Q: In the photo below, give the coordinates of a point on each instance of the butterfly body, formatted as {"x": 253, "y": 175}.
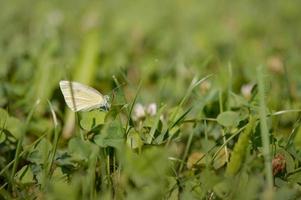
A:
{"x": 80, "y": 97}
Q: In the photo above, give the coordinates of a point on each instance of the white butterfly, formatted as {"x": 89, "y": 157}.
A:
{"x": 80, "y": 97}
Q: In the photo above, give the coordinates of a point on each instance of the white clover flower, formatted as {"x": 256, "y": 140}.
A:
{"x": 151, "y": 109}
{"x": 138, "y": 112}
{"x": 246, "y": 90}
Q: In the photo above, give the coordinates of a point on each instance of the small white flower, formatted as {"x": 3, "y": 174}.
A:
{"x": 151, "y": 109}
{"x": 246, "y": 90}
{"x": 139, "y": 112}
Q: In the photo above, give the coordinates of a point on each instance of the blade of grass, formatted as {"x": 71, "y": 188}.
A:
{"x": 187, "y": 149}
{"x": 205, "y": 130}
{"x": 119, "y": 85}
{"x": 5, "y": 184}
{"x": 180, "y": 118}
{"x": 229, "y": 91}
{"x": 177, "y": 121}
{"x": 90, "y": 181}
{"x": 56, "y": 139}
{"x": 293, "y": 133}
{"x": 108, "y": 168}
{"x": 228, "y": 140}
{"x": 223, "y": 131}
{"x": 264, "y": 131}
{"x": 281, "y": 112}
{"x": 131, "y": 109}
{"x": 199, "y": 120}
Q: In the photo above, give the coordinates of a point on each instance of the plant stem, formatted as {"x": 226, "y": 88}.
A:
{"x": 264, "y": 129}
{"x": 187, "y": 149}
{"x": 56, "y": 139}
{"x": 223, "y": 131}
{"x": 230, "y": 74}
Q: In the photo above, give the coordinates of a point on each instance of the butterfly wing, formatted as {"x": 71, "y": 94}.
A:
{"x": 80, "y": 97}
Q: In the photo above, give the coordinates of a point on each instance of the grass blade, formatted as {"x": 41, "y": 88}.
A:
{"x": 264, "y": 130}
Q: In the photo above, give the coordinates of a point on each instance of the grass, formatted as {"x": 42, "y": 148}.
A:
{"x": 264, "y": 131}
{"x": 192, "y": 115}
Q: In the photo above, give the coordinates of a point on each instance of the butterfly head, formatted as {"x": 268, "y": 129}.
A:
{"x": 106, "y": 105}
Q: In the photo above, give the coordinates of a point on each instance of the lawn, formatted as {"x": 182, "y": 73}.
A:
{"x": 204, "y": 99}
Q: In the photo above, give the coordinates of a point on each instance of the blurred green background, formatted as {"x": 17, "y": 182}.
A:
{"x": 162, "y": 43}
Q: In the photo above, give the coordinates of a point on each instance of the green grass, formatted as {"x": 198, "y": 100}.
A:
{"x": 223, "y": 128}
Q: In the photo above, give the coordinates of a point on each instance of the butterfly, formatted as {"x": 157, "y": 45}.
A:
{"x": 80, "y": 97}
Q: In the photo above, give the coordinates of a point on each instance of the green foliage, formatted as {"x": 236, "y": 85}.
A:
{"x": 25, "y": 175}
{"x": 112, "y": 135}
{"x": 206, "y": 126}
{"x": 10, "y": 126}
{"x": 92, "y": 119}
{"x": 228, "y": 119}
{"x": 240, "y": 149}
